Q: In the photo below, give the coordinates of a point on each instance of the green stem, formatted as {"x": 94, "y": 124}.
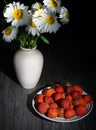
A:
{"x": 5, "y": 2}
{"x": 37, "y": 38}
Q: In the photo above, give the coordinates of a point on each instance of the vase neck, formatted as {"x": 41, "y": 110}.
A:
{"x": 28, "y": 49}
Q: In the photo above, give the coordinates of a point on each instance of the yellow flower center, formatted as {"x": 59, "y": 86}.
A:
{"x": 53, "y": 3}
{"x": 18, "y": 14}
{"x": 39, "y": 16}
{"x": 33, "y": 24}
{"x": 8, "y": 31}
{"x": 50, "y": 20}
{"x": 67, "y": 15}
{"x": 38, "y": 7}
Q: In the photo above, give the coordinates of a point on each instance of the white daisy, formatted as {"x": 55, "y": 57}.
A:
{"x": 48, "y": 23}
{"x": 17, "y": 14}
{"x": 9, "y": 33}
{"x": 52, "y": 5}
{"x": 64, "y": 15}
{"x": 36, "y": 6}
{"x": 32, "y": 29}
{"x": 37, "y": 16}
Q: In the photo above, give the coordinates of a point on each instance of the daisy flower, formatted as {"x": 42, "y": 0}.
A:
{"x": 52, "y": 5}
{"x": 48, "y": 23}
{"x": 32, "y": 29}
{"x": 42, "y": 18}
{"x": 37, "y": 16}
{"x": 36, "y": 6}
{"x": 64, "y": 15}
{"x": 17, "y": 14}
{"x": 9, "y": 33}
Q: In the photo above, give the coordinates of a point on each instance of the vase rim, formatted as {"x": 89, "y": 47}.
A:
{"x": 27, "y": 49}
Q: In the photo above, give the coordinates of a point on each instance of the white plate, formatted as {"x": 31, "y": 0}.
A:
{"x": 57, "y": 119}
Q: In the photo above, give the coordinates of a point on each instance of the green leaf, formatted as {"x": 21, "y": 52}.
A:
{"x": 68, "y": 84}
{"x": 44, "y": 39}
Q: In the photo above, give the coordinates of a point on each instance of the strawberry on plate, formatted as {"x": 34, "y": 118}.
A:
{"x": 81, "y": 110}
{"x": 49, "y": 92}
{"x": 59, "y": 88}
{"x": 88, "y": 98}
{"x": 60, "y": 112}
{"x": 39, "y": 98}
{"x": 79, "y": 101}
{"x": 43, "y": 107}
{"x": 65, "y": 103}
{"x": 58, "y": 96}
{"x": 53, "y": 105}
{"x": 48, "y": 99}
{"x": 52, "y": 112}
{"x": 75, "y": 94}
{"x": 69, "y": 113}
{"x": 78, "y": 88}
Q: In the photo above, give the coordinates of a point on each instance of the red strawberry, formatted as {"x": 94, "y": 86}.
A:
{"x": 48, "y": 99}
{"x": 78, "y": 88}
{"x": 49, "y": 92}
{"x": 60, "y": 112}
{"x": 69, "y": 89}
{"x": 43, "y": 107}
{"x": 75, "y": 94}
{"x": 58, "y": 96}
{"x": 79, "y": 101}
{"x": 39, "y": 98}
{"x": 88, "y": 98}
{"x": 81, "y": 110}
{"x": 69, "y": 97}
{"x": 53, "y": 105}
{"x": 52, "y": 113}
{"x": 59, "y": 88}
{"x": 65, "y": 103}
{"x": 71, "y": 106}
{"x": 69, "y": 113}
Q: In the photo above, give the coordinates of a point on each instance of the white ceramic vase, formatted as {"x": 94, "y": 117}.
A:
{"x": 28, "y": 64}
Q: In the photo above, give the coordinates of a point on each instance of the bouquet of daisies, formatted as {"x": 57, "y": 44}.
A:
{"x": 27, "y": 25}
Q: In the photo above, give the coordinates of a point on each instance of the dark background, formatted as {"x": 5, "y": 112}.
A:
{"x": 72, "y": 42}
{"x": 78, "y": 35}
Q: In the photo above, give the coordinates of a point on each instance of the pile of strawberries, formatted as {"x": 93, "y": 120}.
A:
{"x": 62, "y": 101}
